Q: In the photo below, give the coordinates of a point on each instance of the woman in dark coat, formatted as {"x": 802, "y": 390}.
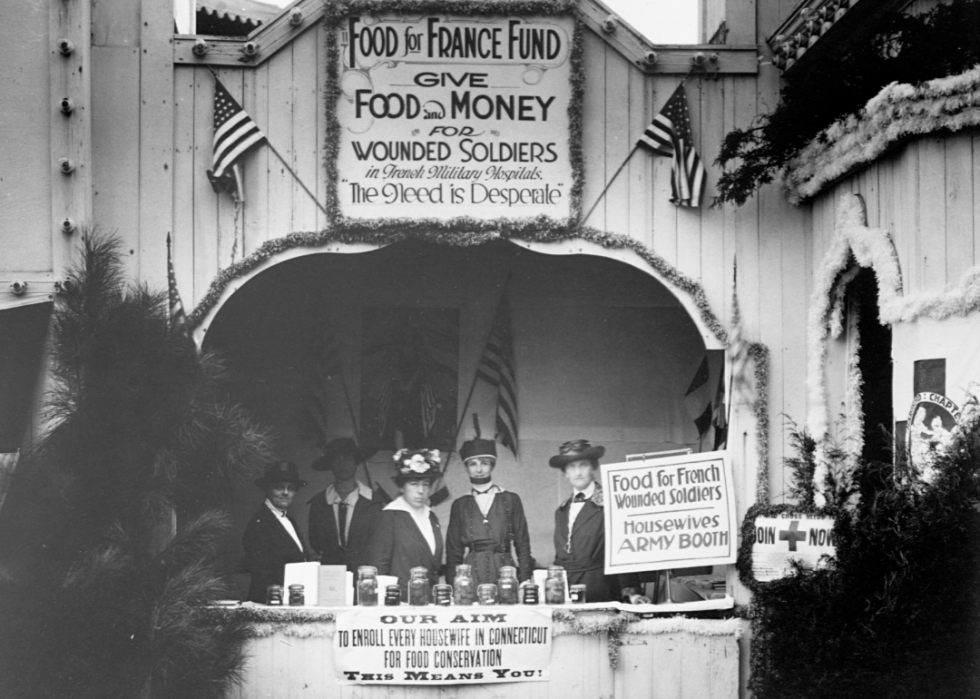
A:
{"x": 487, "y": 521}
{"x": 408, "y": 534}
{"x": 271, "y": 538}
{"x": 580, "y": 548}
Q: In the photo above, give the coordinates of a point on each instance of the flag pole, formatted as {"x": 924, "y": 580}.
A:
{"x": 731, "y": 376}
{"x": 476, "y": 376}
{"x": 296, "y": 177}
{"x": 609, "y": 183}
{"x": 284, "y": 163}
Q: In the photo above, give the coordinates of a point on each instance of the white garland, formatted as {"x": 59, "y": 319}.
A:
{"x": 897, "y": 112}
{"x": 871, "y": 248}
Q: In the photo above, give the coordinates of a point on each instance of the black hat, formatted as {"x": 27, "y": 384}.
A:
{"x": 576, "y": 450}
{"x": 338, "y": 447}
{"x": 278, "y": 472}
{"x": 476, "y": 446}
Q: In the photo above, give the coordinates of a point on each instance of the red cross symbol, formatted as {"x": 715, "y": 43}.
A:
{"x": 792, "y": 535}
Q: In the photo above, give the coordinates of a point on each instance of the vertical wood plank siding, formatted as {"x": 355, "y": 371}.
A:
{"x": 656, "y": 666}
{"x": 284, "y": 96}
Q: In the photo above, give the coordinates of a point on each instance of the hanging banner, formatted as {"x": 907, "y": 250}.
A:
{"x": 929, "y": 431}
{"x": 443, "y": 645}
{"x": 447, "y": 116}
{"x": 675, "y": 512}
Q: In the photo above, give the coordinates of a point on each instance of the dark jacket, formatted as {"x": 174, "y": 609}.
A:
{"x": 399, "y": 546}
{"x": 586, "y": 561}
{"x": 323, "y": 531}
{"x": 268, "y": 548}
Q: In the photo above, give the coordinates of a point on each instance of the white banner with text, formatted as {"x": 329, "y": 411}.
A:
{"x": 448, "y": 116}
{"x": 443, "y": 645}
{"x": 674, "y": 512}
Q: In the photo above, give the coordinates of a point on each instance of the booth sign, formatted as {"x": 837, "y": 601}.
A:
{"x": 443, "y": 645}
{"x": 449, "y": 116}
{"x": 674, "y": 512}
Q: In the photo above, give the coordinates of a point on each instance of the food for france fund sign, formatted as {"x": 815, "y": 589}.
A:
{"x": 447, "y": 116}
{"x": 443, "y": 645}
{"x": 674, "y": 512}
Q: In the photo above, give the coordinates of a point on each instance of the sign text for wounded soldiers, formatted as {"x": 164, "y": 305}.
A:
{"x": 669, "y": 513}
{"x": 442, "y": 645}
{"x": 445, "y": 116}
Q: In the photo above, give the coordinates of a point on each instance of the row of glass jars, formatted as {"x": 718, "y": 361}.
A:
{"x": 463, "y": 591}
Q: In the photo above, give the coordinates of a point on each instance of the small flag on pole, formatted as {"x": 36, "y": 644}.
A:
{"x": 670, "y": 134}
{"x": 497, "y": 369}
{"x": 177, "y": 317}
{"x": 738, "y": 348}
{"x": 234, "y": 135}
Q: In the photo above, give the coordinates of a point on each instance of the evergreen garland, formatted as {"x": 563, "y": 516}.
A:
{"x": 895, "y": 612}
{"x": 902, "y": 48}
{"x": 98, "y": 598}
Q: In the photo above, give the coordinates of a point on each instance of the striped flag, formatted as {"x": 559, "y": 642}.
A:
{"x": 738, "y": 348}
{"x": 177, "y": 317}
{"x": 234, "y": 135}
{"x": 324, "y": 364}
{"x": 670, "y": 134}
{"x": 497, "y": 369}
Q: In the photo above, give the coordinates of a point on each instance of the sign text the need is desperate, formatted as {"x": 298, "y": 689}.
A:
{"x": 445, "y": 116}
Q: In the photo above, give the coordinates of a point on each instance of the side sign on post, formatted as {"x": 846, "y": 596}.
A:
{"x": 676, "y": 512}
{"x": 778, "y": 541}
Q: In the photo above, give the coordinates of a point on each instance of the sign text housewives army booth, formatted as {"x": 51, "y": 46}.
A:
{"x": 448, "y": 116}
{"x": 673, "y": 512}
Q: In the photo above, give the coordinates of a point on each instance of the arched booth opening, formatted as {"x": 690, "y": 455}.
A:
{"x": 386, "y": 344}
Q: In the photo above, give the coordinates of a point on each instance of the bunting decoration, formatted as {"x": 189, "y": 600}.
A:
{"x": 235, "y": 134}
{"x": 670, "y": 134}
{"x": 178, "y": 319}
{"x": 497, "y": 369}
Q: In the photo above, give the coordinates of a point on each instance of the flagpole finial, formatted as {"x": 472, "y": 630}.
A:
{"x": 168, "y": 239}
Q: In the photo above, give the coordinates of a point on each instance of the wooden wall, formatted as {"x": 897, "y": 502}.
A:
{"x": 927, "y": 196}
{"x": 151, "y": 146}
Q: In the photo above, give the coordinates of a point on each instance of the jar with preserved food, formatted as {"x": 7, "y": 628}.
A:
{"x": 464, "y": 589}
{"x": 442, "y": 594}
{"x": 393, "y": 596}
{"x": 273, "y": 595}
{"x": 507, "y": 585}
{"x": 367, "y": 586}
{"x": 554, "y": 586}
{"x": 297, "y": 596}
{"x": 487, "y": 593}
{"x": 529, "y": 593}
{"x": 418, "y": 586}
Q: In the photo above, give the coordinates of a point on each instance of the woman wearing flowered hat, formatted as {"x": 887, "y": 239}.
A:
{"x": 580, "y": 532}
{"x": 408, "y": 533}
{"x": 487, "y": 520}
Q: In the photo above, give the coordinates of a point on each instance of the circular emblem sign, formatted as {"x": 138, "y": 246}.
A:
{"x": 930, "y": 429}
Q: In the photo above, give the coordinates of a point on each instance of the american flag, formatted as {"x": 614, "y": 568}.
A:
{"x": 234, "y": 135}
{"x": 738, "y": 348}
{"x": 670, "y": 134}
{"x": 324, "y": 364}
{"x": 178, "y": 319}
{"x": 497, "y": 369}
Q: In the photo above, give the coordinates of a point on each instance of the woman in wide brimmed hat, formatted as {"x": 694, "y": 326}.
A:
{"x": 580, "y": 532}
{"x": 408, "y": 534}
{"x": 343, "y": 517}
{"x": 484, "y": 523}
{"x": 271, "y": 538}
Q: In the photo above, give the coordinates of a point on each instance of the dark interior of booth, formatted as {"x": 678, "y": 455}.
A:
{"x": 602, "y": 350}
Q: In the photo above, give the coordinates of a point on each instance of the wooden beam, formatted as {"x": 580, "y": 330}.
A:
{"x": 71, "y": 134}
{"x": 671, "y": 59}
